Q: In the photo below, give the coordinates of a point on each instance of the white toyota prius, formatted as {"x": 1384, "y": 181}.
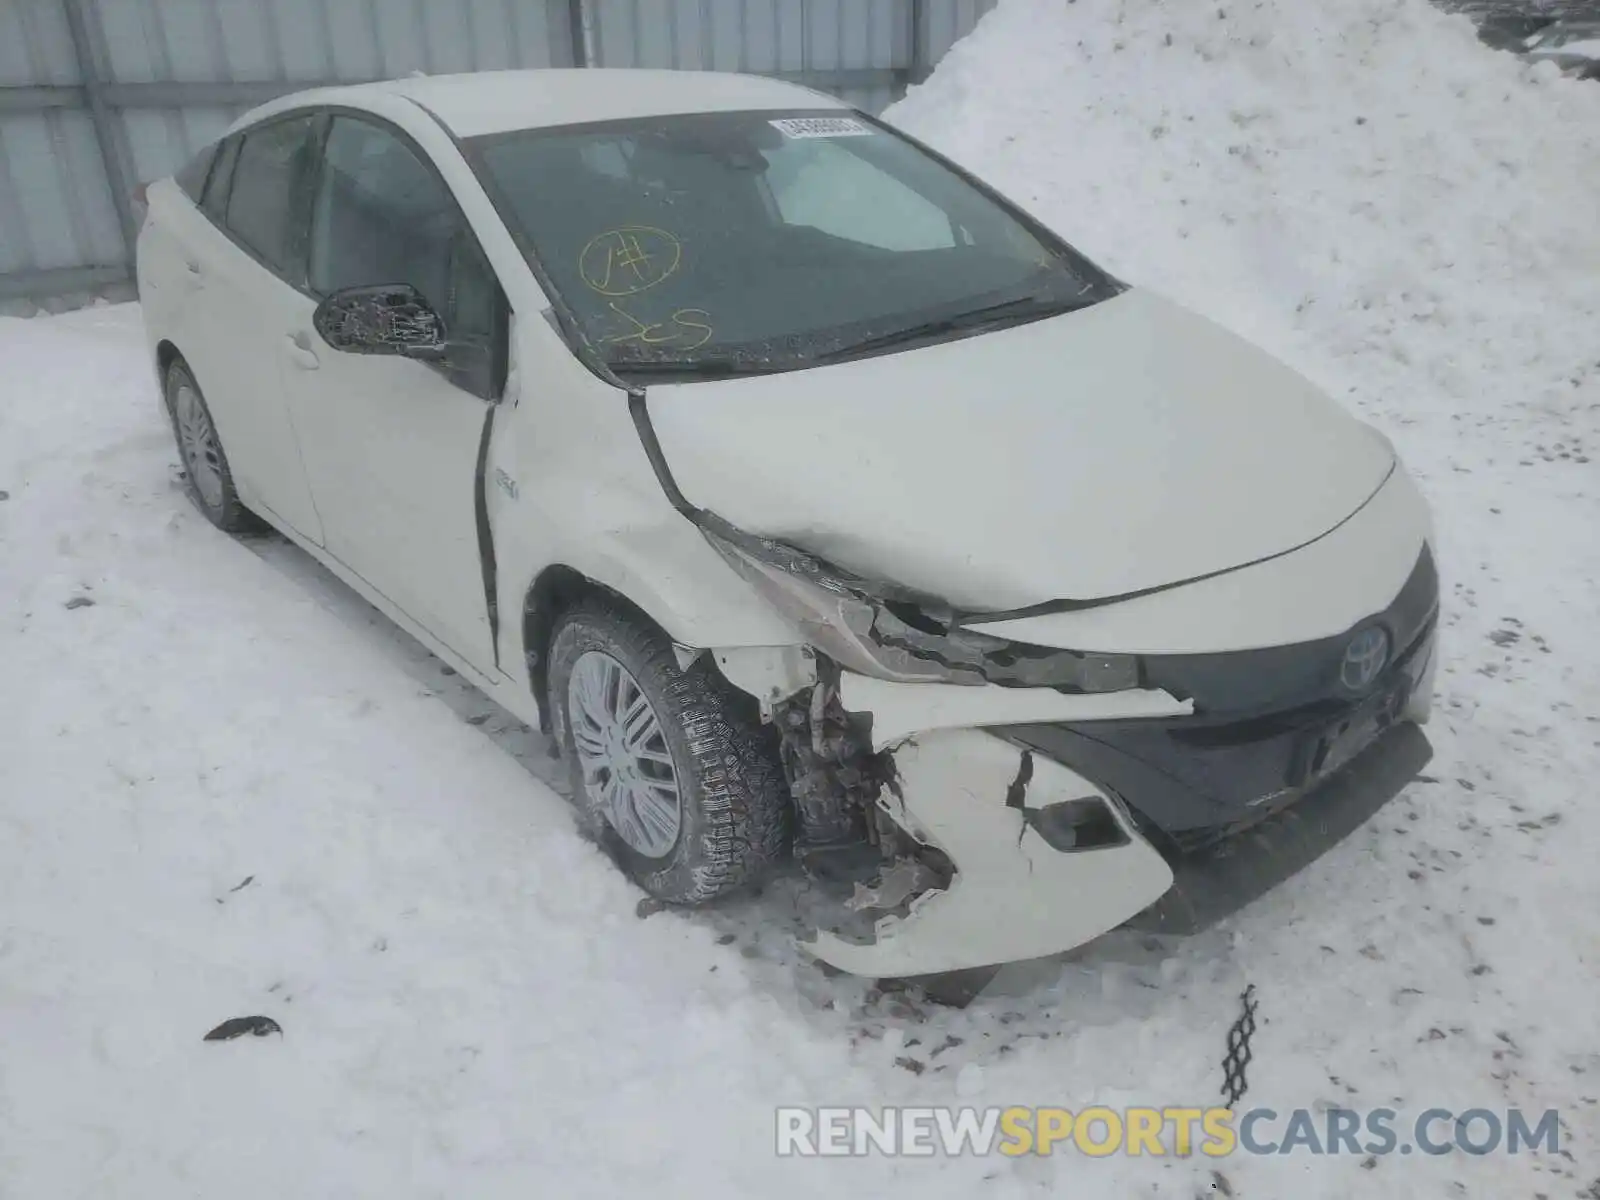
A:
{"x": 824, "y": 506}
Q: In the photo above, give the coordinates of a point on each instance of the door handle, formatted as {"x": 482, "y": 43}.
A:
{"x": 298, "y": 347}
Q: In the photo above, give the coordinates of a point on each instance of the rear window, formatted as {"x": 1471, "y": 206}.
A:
{"x": 192, "y": 176}
{"x": 215, "y": 201}
{"x": 267, "y": 180}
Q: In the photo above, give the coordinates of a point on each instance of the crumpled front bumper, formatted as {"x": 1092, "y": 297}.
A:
{"x": 972, "y": 789}
{"x": 1014, "y": 896}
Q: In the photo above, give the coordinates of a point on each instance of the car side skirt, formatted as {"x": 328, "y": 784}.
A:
{"x": 501, "y": 688}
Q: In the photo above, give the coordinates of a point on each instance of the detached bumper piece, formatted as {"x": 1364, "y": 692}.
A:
{"x": 1000, "y": 812}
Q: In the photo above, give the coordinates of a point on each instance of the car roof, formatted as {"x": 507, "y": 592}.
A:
{"x": 487, "y": 102}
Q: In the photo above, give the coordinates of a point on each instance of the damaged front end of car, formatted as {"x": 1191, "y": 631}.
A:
{"x": 889, "y": 632}
{"x": 965, "y": 800}
{"x": 943, "y": 845}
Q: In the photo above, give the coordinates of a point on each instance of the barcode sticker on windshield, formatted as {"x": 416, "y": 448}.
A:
{"x": 815, "y": 127}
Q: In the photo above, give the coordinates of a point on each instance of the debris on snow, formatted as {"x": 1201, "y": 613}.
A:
{"x": 1238, "y": 1056}
{"x": 239, "y": 887}
{"x": 240, "y": 1026}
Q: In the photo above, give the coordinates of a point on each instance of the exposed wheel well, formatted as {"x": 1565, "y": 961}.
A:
{"x": 166, "y": 355}
{"x": 557, "y": 589}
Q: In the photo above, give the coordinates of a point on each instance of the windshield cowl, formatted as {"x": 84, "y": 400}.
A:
{"x": 771, "y": 359}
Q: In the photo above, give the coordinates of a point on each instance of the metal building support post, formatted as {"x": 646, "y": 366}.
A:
{"x": 104, "y": 131}
{"x": 579, "y": 33}
{"x": 919, "y": 40}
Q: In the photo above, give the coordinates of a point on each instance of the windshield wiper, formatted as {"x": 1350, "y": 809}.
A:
{"x": 1027, "y": 307}
{"x": 696, "y": 368}
{"x": 725, "y": 366}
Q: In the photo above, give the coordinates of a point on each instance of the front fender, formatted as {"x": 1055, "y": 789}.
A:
{"x": 671, "y": 574}
{"x": 685, "y": 586}
{"x": 570, "y": 486}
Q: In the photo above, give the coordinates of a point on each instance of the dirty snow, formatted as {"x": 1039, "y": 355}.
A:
{"x": 471, "y": 1006}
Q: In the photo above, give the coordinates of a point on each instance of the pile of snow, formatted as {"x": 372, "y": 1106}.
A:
{"x": 1360, "y": 183}
{"x": 470, "y": 1005}
{"x": 1413, "y": 220}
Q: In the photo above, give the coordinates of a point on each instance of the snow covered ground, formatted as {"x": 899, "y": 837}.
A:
{"x": 471, "y": 1006}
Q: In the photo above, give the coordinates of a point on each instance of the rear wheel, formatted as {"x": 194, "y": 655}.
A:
{"x": 207, "y": 477}
{"x": 671, "y": 768}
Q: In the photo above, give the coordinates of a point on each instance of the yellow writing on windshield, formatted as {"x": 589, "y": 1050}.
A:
{"x": 686, "y": 329}
{"x": 629, "y": 260}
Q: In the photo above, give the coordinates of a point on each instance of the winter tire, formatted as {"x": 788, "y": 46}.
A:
{"x": 207, "y": 478}
{"x": 671, "y": 768}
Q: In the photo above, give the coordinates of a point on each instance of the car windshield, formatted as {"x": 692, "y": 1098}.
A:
{"x": 746, "y": 242}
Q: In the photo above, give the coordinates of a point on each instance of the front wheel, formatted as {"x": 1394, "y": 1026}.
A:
{"x": 670, "y": 767}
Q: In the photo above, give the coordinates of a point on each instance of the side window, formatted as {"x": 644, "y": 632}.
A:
{"x": 382, "y": 215}
{"x": 191, "y": 177}
{"x": 215, "y": 199}
{"x": 266, "y": 181}
{"x": 817, "y": 183}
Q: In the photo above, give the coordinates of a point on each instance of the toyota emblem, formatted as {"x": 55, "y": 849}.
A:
{"x": 1364, "y": 659}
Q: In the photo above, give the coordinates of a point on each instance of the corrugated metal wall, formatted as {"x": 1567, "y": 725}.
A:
{"x": 861, "y": 50}
{"x": 96, "y": 95}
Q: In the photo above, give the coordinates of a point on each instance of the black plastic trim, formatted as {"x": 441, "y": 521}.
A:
{"x": 486, "y": 554}
{"x": 1242, "y": 682}
{"x": 640, "y": 412}
{"x": 1196, "y": 780}
{"x": 1211, "y": 885}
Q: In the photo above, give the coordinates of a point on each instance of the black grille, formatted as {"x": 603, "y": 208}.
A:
{"x": 1263, "y": 721}
{"x": 1280, "y": 679}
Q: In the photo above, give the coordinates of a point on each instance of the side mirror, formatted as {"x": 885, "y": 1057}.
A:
{"x": 388, "y": 319}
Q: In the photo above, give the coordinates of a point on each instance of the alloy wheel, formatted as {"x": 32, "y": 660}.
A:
{"x": 623, "y": 754}
{"x": 197, "y": 441}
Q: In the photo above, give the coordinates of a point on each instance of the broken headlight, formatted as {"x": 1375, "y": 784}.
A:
{"x": 890, "y": 633}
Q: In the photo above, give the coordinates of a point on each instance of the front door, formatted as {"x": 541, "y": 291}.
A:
{"x": 392, "y": 445}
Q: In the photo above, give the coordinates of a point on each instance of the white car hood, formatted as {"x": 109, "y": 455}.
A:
{"x": 1124, "y": 447}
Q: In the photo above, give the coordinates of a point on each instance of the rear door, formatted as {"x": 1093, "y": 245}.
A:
{"x": 243, "y": 266}
{"x": 165, "y": 258}
{"x": 393, "y": 445}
